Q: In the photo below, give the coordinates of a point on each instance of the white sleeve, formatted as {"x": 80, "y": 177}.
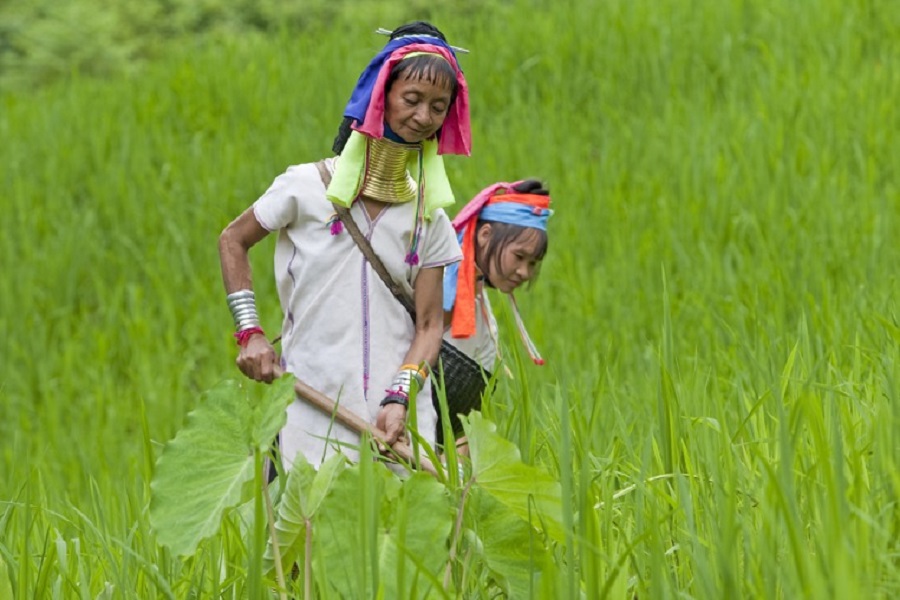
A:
{"x": 441, "y": 247}
{"x": 279, "y": 206}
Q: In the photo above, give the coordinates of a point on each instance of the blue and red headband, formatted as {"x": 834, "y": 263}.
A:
{"x": 499, "y": 203}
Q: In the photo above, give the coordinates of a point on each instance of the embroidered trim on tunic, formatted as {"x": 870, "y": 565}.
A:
{"x": 364, "y": 287}
{"x": 290, "y": 272}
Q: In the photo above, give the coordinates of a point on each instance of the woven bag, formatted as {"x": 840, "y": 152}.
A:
{"x": 464, "y": 384}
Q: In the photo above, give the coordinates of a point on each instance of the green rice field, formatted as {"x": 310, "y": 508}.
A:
{"x": 719, "y": 415}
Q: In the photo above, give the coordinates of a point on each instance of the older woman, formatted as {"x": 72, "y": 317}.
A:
{"x": 343, "y": 331}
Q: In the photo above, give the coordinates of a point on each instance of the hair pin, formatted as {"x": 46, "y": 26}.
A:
{"x": 383, "y": 31}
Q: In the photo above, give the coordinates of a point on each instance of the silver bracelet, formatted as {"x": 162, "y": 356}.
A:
{"x": 403, "y": 380}
{"x": 242, "y": 305}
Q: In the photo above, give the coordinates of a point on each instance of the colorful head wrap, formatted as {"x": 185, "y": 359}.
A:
{"x": 366, "y": 106}
{"x": 366, "y": 103}
{"x": 499, "y": 203}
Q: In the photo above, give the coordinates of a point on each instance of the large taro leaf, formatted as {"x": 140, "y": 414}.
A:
{"x": 513, "y": 550}
{"x": 413, "y": 546}
{"x": 343, "y": 541}
{"x": 399, "y": 529}
{"x": 202, "y": 470}
{"x": 498, "y": 470}
{"x": 303, "y": 494}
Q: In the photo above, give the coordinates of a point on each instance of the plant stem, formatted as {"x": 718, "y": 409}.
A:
{"x": 258, "y": 540}
{"x": 307, "y": 561}
{"x": 457, "y": 527}
{"x": 276, "y": 551}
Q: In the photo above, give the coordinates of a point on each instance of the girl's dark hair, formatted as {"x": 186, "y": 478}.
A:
{"x": 431, "y": 68}
{"x": 503, "y": 234}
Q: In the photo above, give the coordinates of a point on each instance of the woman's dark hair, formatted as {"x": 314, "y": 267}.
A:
{"x": 431, "y": 68}
{"x": 503, "y": 234}
{"x": 418, "y": 28}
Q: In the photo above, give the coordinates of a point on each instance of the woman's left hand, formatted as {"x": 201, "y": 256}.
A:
{"x": 392, "y": 421}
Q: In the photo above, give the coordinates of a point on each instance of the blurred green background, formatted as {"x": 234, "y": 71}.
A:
{"x": 719, "y": 299}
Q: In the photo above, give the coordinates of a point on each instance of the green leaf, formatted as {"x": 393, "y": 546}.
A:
{"x": 370, "y": 521}
{"x": 5, "y": 584}
{"x": 513, "y": 550}
{"x": 269, "y": 415}
{"x": 202, "y": 470}
{"x": 343, "y": 540}
{"x": 303, "y": 494}
{"x": 498, "y": 469}
{"x": 413, "y": 547}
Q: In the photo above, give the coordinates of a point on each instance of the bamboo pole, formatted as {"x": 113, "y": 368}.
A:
{"x": 359, "y": 425}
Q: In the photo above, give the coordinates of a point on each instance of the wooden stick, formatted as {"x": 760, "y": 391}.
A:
{"x": 359, "y": 425}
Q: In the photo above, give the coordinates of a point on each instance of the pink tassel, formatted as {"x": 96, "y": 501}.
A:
{"x": 335, "y": 224}
{"x": 412, "y": 257}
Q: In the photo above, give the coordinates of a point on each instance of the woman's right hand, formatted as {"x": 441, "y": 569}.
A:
{"x": 258, "y": 360}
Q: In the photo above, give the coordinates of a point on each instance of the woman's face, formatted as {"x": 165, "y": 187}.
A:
{"x": 416, "y": 108}
{"x": 517, "y": 262}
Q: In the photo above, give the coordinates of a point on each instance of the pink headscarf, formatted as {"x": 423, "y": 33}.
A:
{"x": 455, "y": 133}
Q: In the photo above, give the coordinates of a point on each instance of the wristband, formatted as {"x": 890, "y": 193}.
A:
{"x": 395, "y": 397}
{"x": 243, "y": 336}
{"x": 404, "y": 378}
{"x": 401, "y": 386}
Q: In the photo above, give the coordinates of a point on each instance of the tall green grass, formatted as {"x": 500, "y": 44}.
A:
{"x": 718, "y": 308}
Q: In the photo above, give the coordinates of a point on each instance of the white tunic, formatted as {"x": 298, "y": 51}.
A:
{"x": 482, "y": 346}
{"x": 344, "y": 333}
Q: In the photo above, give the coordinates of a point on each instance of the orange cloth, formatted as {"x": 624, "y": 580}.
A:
{"x": 463, "y": 323}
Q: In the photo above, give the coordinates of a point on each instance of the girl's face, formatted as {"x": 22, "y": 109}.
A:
{"x": 416, "y": 108}
{"x": 517, "y": 262}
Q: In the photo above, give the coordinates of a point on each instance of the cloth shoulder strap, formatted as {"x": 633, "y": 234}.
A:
{"x": 366, "y": 248}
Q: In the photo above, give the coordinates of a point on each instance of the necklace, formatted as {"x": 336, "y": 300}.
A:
{"x": 385, "y": 177}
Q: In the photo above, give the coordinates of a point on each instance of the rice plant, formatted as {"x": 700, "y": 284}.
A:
{"x": 719, "y": 412}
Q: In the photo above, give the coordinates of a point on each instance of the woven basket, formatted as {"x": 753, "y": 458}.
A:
{"x": 464, "y": 384}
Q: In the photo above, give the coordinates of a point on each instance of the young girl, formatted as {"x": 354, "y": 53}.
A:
{"x": 503, "y": 233}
